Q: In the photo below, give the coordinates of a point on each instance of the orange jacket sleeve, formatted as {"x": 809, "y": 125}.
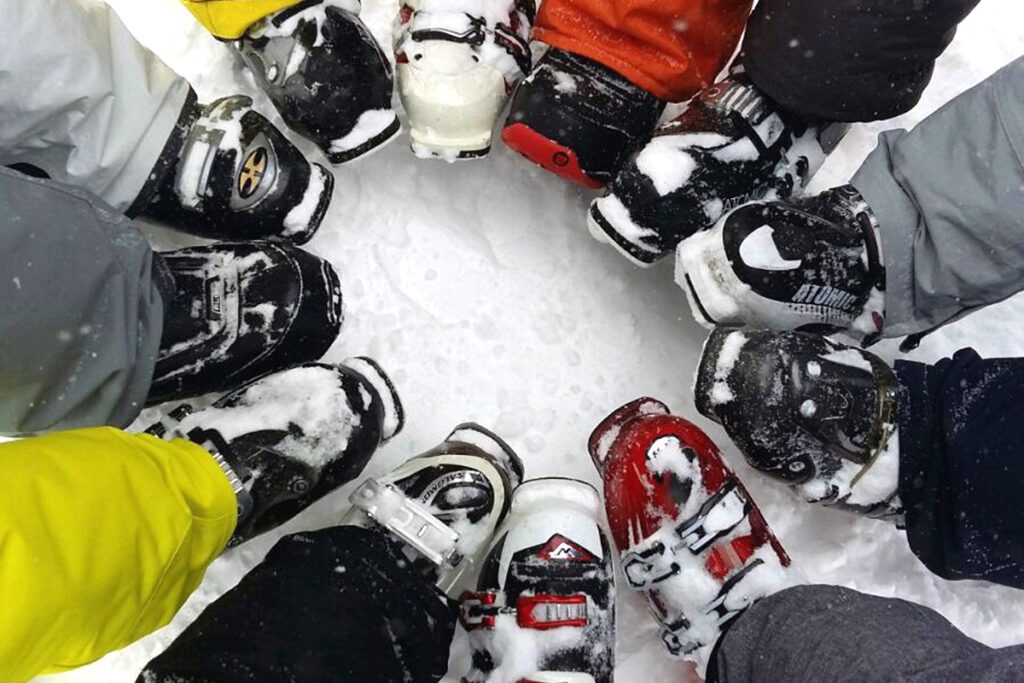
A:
{"x": 672, "y": 48}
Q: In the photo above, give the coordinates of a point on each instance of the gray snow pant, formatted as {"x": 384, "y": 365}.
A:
{"x": 826, "y": 633}
{"x": 949, "y": 202}
{"x": 82, "y": 101}
{"x": 80, "y": 311}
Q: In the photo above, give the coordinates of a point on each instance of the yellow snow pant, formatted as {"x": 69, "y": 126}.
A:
{"x": 103, "y": 535}
{"x": 228, "y": 19}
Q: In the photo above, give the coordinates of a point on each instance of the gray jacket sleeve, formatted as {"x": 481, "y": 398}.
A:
{"x": 80, "y": 314}
{"x": 949, "y": 202}
{"x": 82, "y": 100}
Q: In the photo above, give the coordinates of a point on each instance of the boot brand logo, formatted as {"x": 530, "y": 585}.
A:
{"x": 823, "y": 295}
{"x": 561, "y": 548}
{"x": 758, "y": 250}
{"x": 253, "y": 168}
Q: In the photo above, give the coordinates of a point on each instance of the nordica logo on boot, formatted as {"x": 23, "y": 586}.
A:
{"x": 561, "y": 548}
{"x": 823, "y": 295}
{"x": 252, "y": 173}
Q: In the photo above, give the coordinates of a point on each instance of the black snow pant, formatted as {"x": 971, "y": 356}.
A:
{"x": 339, "y": 604}
{"x": 825, "y": 633}
{"x": 961, "y": 439}
{"x": 848, "y": 60}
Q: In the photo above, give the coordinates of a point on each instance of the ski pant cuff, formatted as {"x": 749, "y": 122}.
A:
{"x": 898, "y": 219}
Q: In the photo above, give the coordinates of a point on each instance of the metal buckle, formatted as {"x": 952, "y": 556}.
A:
{"x": 543, "y": 611}
{"x": 409, "y": 520}
{"x": 693, "y": 532}
{"x": 645, "y": 568}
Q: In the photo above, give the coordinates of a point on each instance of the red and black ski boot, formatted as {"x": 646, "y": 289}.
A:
{"x": 689, "y": 535}
{"x": 444, "y": 505}
{"x": 544, "y": 607}
{"x": 289, "y": 438}
{"x": 229, "y": 173}
{"x": 578, "y": 118}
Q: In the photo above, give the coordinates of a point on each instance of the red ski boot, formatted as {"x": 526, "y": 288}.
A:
{"x": 688, "y": 533}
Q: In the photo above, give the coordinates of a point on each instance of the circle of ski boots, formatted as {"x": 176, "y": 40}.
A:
{"x": 443, "y": 505}
{"x": 233, "y": 175}
{"x": 455, "y": 72}
{"x": 544, "y": 605}
{"x": 241, "y": 310}
{"x": 813, "y": 264}
{"x": 806, "y": 411}
{"x": 289, "y": 438}
{"x": 689, "y": 535}
{"x": 579, "y": 119}
{"x": 326, "y": 75}
{"x": 731, "y": 146}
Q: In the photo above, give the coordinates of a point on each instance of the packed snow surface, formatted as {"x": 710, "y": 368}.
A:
{"x": 478, "y": 289}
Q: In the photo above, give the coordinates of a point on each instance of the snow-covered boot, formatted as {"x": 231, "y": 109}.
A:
{"x": 812, "y": 264}
{"x": 578, "y": 118}
{"x": 456, "y": 68}
{"x": 731, "y": 146}
{"x": 811, "y": 413}
{"x": 326, "y": 74}
{"x": 230, "y": 174}
{"x": 689, "y": 535}
{"x": 444, "y": 505}
{"x": 544, "y": 607}
{"x": 242, "y": 310}
{"x": 288, "y": 439}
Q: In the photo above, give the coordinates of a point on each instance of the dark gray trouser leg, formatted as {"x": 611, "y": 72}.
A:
{"x": 80, "y": 315}
{"x": 826, "y": 633}
{"x": 948, "y": 198}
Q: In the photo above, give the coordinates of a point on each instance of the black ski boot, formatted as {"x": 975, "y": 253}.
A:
{"x": 242, "y": 310}
{"x": 327, "y": 76}
{"x": 544, "y": 607}
{"x": 288, "y": 439}
{"x": 237, "y": 177}
{"x": 578, "y": 118}
{"x": 806, "y": 411}
{"x": 731, "y": 146}
{"x": 443, "y": 505}
{"x": 812, "y": 264}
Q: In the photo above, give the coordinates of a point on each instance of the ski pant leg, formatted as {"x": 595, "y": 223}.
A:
{"x": 229, "y": 19}
{"x": 339, "y": 604}
{"x": 826, "y": 633}
{"x": 848, "y": 60}
{"x": 80, "y": 311}
{"x": 961, "y": 442}
{"x": 672, "y": 48}
{"x": 104, "y": 535}
{"x": 84, "y": 102}
{"x": 948, "y": 200}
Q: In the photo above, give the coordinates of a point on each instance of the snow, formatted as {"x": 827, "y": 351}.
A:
{"x": 478, "y": 289}
{"x": 301, "y": 215}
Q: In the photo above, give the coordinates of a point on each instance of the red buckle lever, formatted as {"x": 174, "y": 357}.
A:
{"x": 478, "y": 610}
{"x": 543, "y": 612}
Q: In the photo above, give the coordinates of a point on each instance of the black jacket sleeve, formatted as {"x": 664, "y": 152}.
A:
{"x": 848, "y": 60}
{"x": 961, "y": 439}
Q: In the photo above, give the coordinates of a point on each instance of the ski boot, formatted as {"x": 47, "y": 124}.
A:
{"x": 689, "y": 535}
{"x": 241, "y": 310}
{"x": 812, "y": 264}
{"x": 731, "y": 146}
{"x": 544, "y": 606}
{"x": 287, "y": 439}
{"x": 456, "y": 70}
{"x": 326, "y": 74}
{"x": 811, "y": 413}
{"x": 236, "y": 177}
{"x": 578, "y": 118}
{"x": 445, "y": 504}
